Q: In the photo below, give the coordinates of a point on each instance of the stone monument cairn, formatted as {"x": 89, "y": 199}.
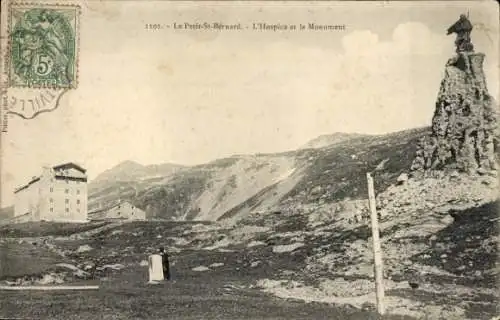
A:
{"x": 464, "y": 127}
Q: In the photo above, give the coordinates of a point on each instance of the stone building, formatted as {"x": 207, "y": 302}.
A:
{"x": 58, "y": 194}
{"x": 122, "y": 210}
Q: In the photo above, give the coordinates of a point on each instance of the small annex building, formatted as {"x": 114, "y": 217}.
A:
{"x": 122, "y": 210}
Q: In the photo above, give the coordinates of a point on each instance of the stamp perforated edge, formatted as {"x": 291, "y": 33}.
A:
{"x": 9, "y": 43}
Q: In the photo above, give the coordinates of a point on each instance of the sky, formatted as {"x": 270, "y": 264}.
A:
{"x": 189, "y": 97}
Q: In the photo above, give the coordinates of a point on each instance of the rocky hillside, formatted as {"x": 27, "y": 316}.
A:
{"x": 330, "y": 139}
{"x": 439, "y": 240}
{"x": 241, "y": 185}
{"x": 125, "y": 180}
{"x": 131, "y": 171}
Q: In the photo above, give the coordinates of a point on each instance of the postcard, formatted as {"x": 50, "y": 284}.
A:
{"x": 249, "y": 159}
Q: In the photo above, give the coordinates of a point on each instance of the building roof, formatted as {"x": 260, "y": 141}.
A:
{"x": 61, "y": 166}
{"x": 69, "y": 165}
{"x": 24, "y": 186}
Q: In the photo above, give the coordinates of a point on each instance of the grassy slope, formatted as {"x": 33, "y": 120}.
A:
{"x": 19, "y": 259}
{"x": 194, "y": 295}
{"x": 42, "y": 229}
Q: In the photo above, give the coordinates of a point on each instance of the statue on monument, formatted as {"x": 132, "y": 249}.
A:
{"x": 463, "y": 28}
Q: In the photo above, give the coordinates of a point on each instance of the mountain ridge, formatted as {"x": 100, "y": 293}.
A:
{"x": 236, "y": 186}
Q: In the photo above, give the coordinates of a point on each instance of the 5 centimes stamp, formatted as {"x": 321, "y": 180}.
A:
{"x": 41, "y": 42}
{"x": 43, "y": 46}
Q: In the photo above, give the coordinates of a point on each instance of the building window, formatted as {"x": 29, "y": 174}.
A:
{"x": 78, "y": 201}
{"x": 67, "y": 190}
{"x": 67, "y": 181}
{"x": 67, "y": 200}
{"x": 77, "y": 191}
{"x": 67, "y": 209}
{"x": 51, "y": 189}
{"x": 51, "y": 209}
{"x": 78, "y": 210}
{"x": 51, "y": 200}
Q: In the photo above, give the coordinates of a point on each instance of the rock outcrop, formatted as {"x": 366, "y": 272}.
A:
{"x": 464, "y": 127}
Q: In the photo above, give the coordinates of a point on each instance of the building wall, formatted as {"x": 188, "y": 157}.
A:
{"x": 136, "y": 213}
{"x": 26, "y": 201}
{"x": 63, "y": 200}
{"x": 126, "y": 210}
{"x": 21, "y": 202}
{"x": 123, "y": 210}
{"x": 57, "y": 196}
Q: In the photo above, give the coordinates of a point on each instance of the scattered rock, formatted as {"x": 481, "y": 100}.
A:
{"x": 255, "y": 243}
{"x": 454, "y": 174}
{"x": 287, "y": 247}
{"x": 87, "y": 265}
{"x": 200, "y": 268}
{"x": 413, "y": 284}
{"x": 217, "y": 264}
{"x": 116, "y": 266}
{"x": 76, "y": 271}
{"x": 486, "y": 182}
{"x": 255, "y": 264}
{"x": 51, "y": 279}
{"x": 447, "y": 219}
{"x": 402, "y": 179}
{"x": 84, "y": 248}
{"x": 482, "y": 171}
{"x": 368, "y": 306}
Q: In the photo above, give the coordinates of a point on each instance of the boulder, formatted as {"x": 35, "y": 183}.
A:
{"x": 84, "y": 248}
{"x": 200, "y": 268}
{"x": 402, "y": 179}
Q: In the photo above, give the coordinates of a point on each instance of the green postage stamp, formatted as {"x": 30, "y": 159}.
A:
{"x": 43, "y": 46}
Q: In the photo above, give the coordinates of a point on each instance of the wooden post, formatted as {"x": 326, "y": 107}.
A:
{"x": 377, "y": 251}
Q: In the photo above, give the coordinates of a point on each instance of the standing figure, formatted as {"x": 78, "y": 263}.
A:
{"x": 165, "y": 263}
{"x": 463, "y": 28}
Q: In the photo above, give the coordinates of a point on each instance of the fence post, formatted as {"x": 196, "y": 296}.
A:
{"x": 377, "y": 251}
